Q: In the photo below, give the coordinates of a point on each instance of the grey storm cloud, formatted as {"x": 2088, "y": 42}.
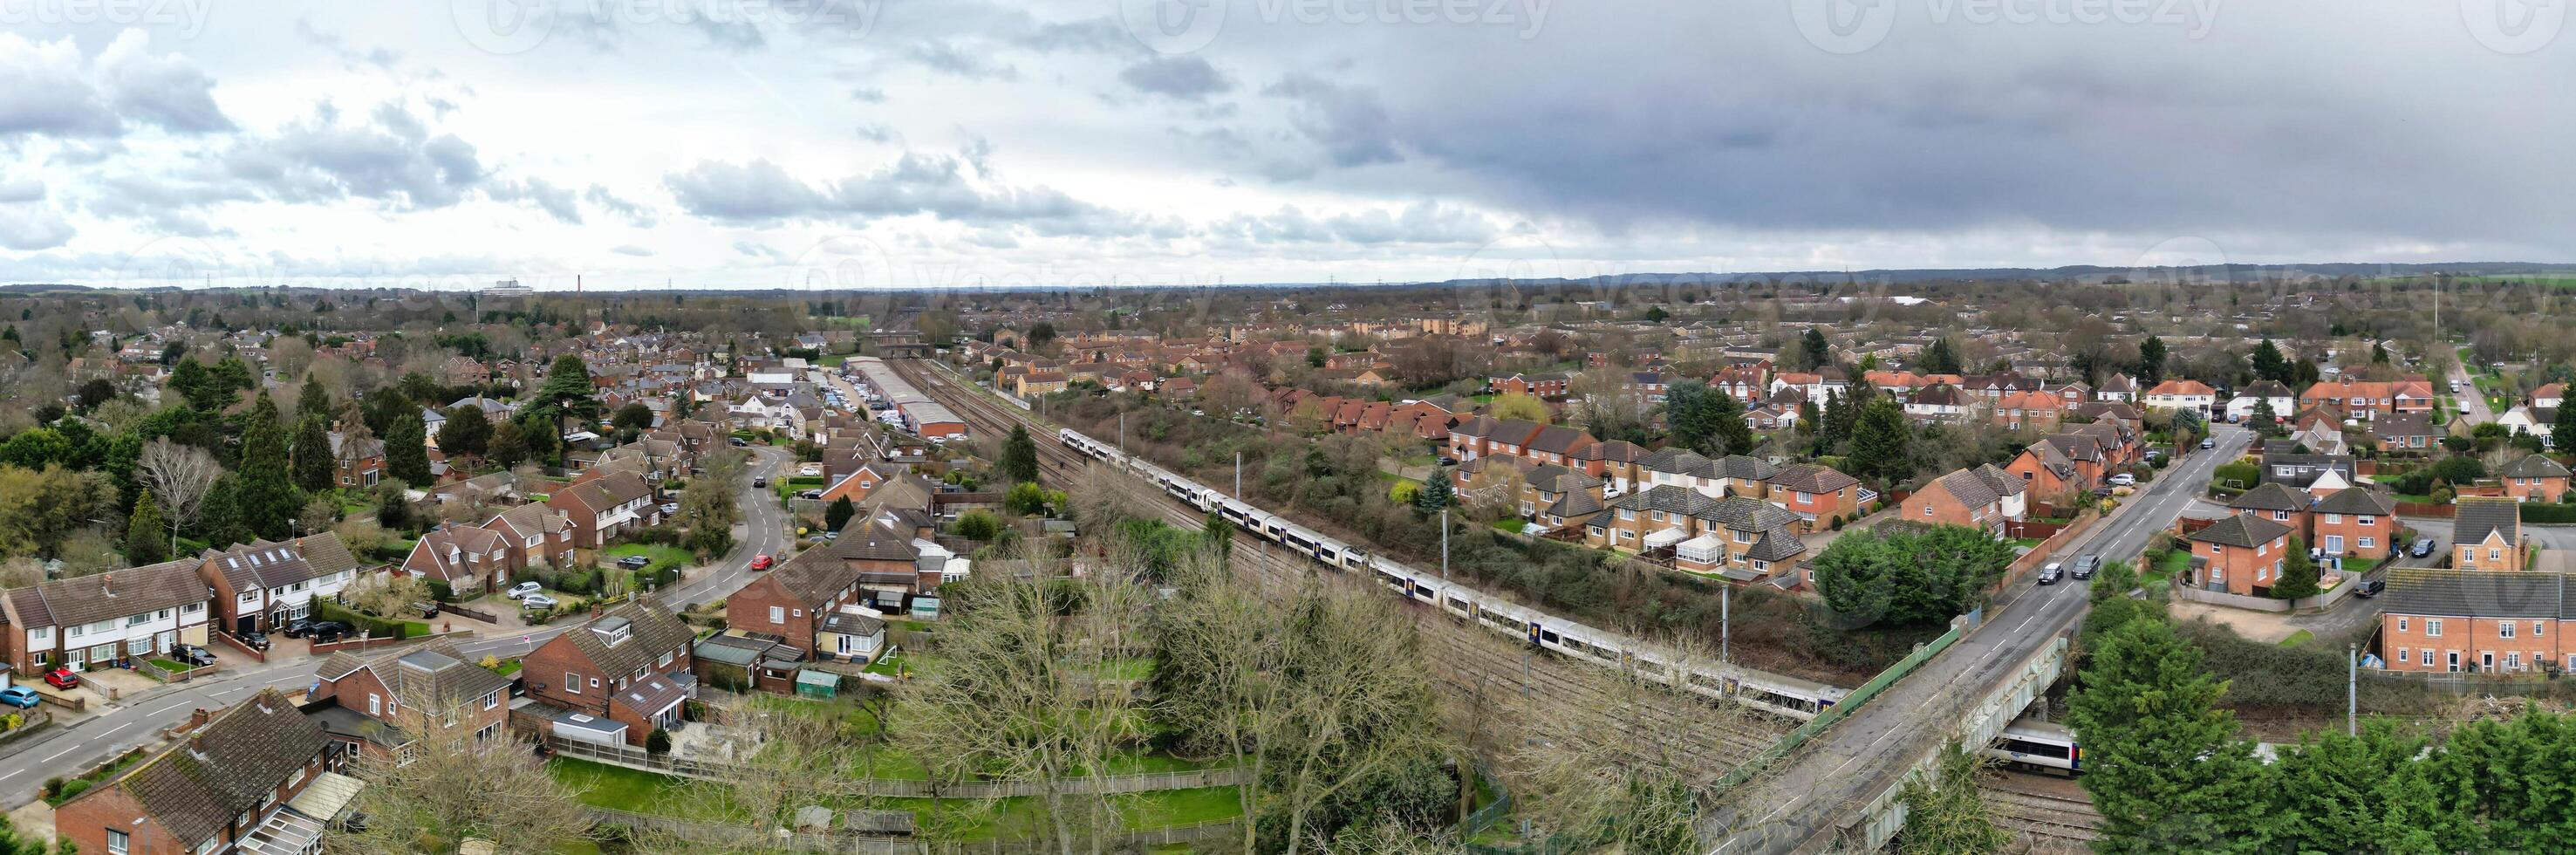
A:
{"x": 556, "y": 201}
{"x": 396, "y": 160}
{"x": 634, "y": 214}
{"x": 1187, "y": 78}
{"x": 27, "y": 227}
{"x": 763, "y": 191}
{"x": 1349, "y": 122}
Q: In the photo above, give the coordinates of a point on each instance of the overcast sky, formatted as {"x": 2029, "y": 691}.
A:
{"x": 857, "y": 143}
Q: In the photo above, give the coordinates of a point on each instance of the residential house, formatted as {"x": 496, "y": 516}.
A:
{"x": 259, "y": 777}
{"x": 2535, "y": 478}
{"x": 2486, "y": 534}
{"x": 2476, "y": 620}
{"x": 1942, "y": 403}
{"x": 600, "y": 511}
{"x": 2242, "y": 554}
{"x": 2319, "y": 474}
{"x": 467, "y": 560}
{"x": 1555, "y": 496}
{"x": 2279, "y": 503}
{"x": 357, "y": 462}
{"x": 93, "y": 621}
{"x": 2357, "y": 523}
{"x": 432, "y": 687}
{"x": 2258, "y": 394}
{"x": 1740, "y": 537}
{"x": 2183, "y": 395}
{"x": 869, "y": 562}
{"x": 1974, "y": 498}
{"x": 627, "y": 669}
{"x": 533, "y": 535}
{"x": 2406, "y": 432}
{"x": 262, "y": 586}
{"x": 1818, "y": 495}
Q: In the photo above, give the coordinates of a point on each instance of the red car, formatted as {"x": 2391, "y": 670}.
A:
{"x": 760, "y": 562}
{"x": 61, "y": 678}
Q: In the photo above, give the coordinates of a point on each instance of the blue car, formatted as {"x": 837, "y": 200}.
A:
{"x": 20, "y": 697}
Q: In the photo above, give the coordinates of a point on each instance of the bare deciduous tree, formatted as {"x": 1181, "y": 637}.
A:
{"x": 448, "y": 786}
{"x": 1590, "y": 766}
{"x": 180, "y": 476}
{"x": 385, "y": 594}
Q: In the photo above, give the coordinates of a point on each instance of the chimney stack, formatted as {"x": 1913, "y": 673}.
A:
{"x": 107, "y": 583}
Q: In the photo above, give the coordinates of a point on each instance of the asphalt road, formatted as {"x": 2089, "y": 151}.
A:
{"x": 77, "y": 745}
{"x": 1827, "y": 781}
{"x": 2479, "y": 412}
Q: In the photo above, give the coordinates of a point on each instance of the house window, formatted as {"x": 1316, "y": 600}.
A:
{"x": 2505, "y": 630}
{"x": 375, "y": 705}
{"x": 2366, "y": 542}
{"x": 2405, "y": 656}
{"x": 2433, "y": 628}
{"x": 2334, "y": 519}
{"x": 777, "y": 614}
{"x": 2366, "y": 520}
{"x": 492, "y": 700}
{"x": 117, "y": 842}
{"x": 2495, "y": 555}
{"x": 2539, "y": 630}
{"x": 572, "y": 682}
{"x": 2401, "y": 624}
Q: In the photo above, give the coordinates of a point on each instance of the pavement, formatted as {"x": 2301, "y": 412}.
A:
{"x": 1831, "y": 777}
{"x": 108, "y": 729}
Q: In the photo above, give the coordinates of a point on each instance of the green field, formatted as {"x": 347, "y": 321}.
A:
{"x": 661, "y": 556}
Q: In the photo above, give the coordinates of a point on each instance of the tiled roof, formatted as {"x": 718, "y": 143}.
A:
{"x": 1968, "y": 488}
{"x": 2477, "y": 593}
{"x": 1744, "y": 468}
{"x": 2271, "y": 496}
{"x": 2358, "y": 500}
{"x": 2533, "y": 466}
{"x": 114, "y": 594}
{"x": 650, "y": 632}
{"x": 2245, "y": 530}
{"x": 1813, "y": 478}
{"x": 230, "y": 767}
{"x": 2476, "y": 516}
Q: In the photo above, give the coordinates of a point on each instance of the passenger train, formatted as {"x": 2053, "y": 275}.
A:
{"x": 1787, "y": 696}
{"x": 2040, "y": 745}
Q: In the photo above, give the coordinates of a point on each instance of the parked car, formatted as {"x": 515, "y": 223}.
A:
{"x": 2370, "y": 588}
{"x": 2124, "y": 480}
{"x": 21, "y": 697}
{"x": 2209, "y": 443}
{"x": 62, "y": 678}
{"x": 760, "y": 562}
{"x": 634, "y": 562}
{"x": 537, "y": 601}
{"x": 522, "y": 589}
{"x": 2423, "y": 547}
{"x": 2086, "y": 564}
{"x": 2050, "y": 574}
{"x": 738, "y": 442}
{"x": 297, "y": 628}
{"x": 810, "y": 494}
{"x": 426, "y": 608}
{"x": 325, "y": 632}
{"x": 254, "y": 639}
{"x": 194, "y": 655}
{"x": 669, "y": 508}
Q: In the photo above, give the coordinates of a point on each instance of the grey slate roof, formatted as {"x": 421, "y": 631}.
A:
{"x": 2271, "y": 496}
{"x": 229, "y": 767}
{"x": 651, "y": 632}
{"x": 2244, "y": 530}
{"x": 2359, "y": 500}
{"x": 2478, "y": 593}
{"x": 2479, "y": 515}
{"x": 2533, "y": 466}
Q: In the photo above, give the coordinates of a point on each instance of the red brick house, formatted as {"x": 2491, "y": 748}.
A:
{"x": 1817, "y": 494}
{"x": 2535, "y": 478}
{"x": 2278, "y": 502}
{"x": 532, "y": 535}
{"x": 240, "y": 774}
{"x": 629, "y": 665}
{"x": 2354, "y": 523}
{"x": 601, "y": 510}
{"x": 869, "y": 562}
{"x": 357, "y": 463}
{"x": 2486, "y": 534}
{"x": 411, "y": 691}
{"x": 1971, "y": 498}
{"x": 2466, "y": 620}
{"x": 2242, "y": 554}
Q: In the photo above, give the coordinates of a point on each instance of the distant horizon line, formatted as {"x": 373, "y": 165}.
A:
{"x": 1879, "y": 275}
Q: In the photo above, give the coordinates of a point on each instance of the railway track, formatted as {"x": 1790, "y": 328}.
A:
{"x": 1468, "y": 660}
{"x": 2046, "y": 821}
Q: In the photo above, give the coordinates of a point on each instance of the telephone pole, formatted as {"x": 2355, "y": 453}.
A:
{"x": 2352, "y": 690}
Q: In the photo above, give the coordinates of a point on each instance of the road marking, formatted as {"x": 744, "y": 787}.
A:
{"x": 59, "y": 754}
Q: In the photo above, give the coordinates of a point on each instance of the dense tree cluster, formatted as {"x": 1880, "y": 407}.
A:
{"x": 1909, "y": 576}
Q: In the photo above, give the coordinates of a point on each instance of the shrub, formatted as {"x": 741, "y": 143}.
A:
{"x": 2239, "y": 475}
{"x": 2543, "y": 512}
{"x": 2443, "y": 495}
{"x": 441, "y": 591}
{"x": 70, "y": 790}
{"x": 658, "y": 742}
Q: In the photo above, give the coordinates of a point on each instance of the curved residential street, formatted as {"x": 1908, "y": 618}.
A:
{"x": 90, "y": 738}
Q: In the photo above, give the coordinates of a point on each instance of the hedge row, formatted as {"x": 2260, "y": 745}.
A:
{"x": 374, "y": 627}
{"x": 2545, "y": 512}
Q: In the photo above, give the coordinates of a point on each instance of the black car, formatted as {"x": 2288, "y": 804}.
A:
{"x": 2085, "y": 564}
{"x": 2423, "y": 547}
{"x": 759, "y": 483}
{"x": 2370, "y": 588}
{"x": 297, "y": 628}
{"x": 194, "y": 655}
{"x": 253, "y": 639}
{"x": 2048, "y": 575}
{"x": 325, "y": 632}
{"x": 634, "y": 562}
